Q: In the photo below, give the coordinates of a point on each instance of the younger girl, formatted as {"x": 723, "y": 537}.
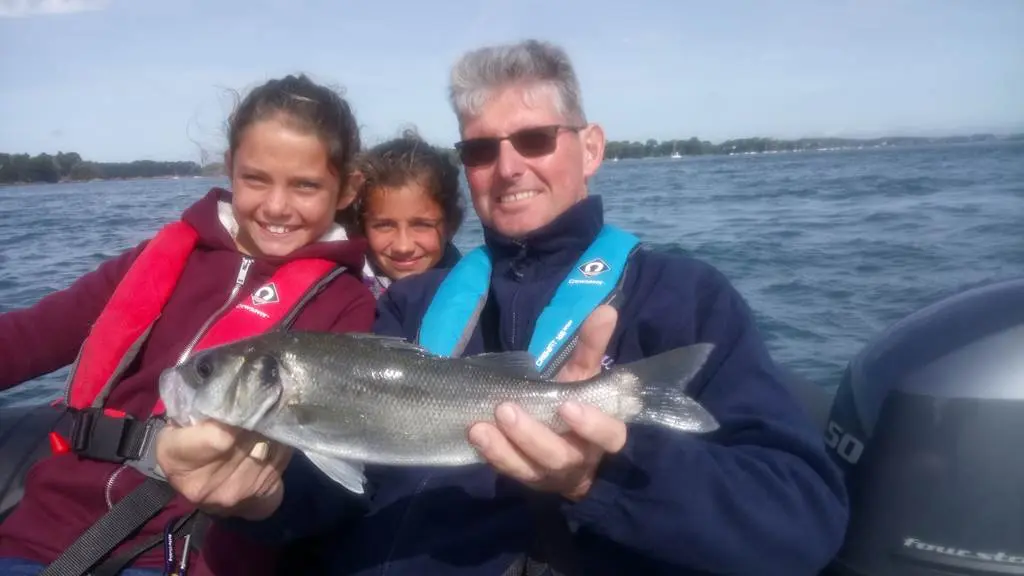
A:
{"x": 238, "y": 263}
{"x": 409, "y": 207}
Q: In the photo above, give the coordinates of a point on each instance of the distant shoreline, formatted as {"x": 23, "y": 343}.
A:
{"x": 694, "y": 147}
{"x": 22, "y": 169}
{"x": 69, "y": 181}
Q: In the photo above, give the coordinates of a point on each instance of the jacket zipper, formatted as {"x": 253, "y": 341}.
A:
{"x": 515, "y": 319}
{"x": 243, "y": 273}
{"x": 518, "y": 273}
{"x": 108, "y": 491}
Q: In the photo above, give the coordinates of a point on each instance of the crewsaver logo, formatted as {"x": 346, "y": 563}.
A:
{"x": 267, "y": 294}
{"x": 594, "y": 267}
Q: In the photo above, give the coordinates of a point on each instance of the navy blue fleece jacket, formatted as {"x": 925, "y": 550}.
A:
{"x": 759, "y": 496}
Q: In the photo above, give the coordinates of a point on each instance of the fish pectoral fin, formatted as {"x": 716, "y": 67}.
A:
{"x": 518, "y": 363}
{"x": 349, "y": 474}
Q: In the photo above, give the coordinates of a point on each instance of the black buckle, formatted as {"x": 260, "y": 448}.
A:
{"x": 98, "y": 436}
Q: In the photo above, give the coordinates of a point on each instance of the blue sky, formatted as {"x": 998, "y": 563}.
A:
{"x": 118, "y": 80}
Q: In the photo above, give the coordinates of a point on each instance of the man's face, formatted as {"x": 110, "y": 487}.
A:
{"x": 522, "y": 184}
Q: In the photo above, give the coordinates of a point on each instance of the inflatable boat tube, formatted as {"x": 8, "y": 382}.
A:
{"x": 24, "y": 439}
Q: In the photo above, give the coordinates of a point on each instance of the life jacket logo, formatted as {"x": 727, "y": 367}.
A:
{"x": 594, "y": 267}
{"x": 266, "y": 294}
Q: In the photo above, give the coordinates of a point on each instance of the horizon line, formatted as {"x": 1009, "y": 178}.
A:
{"x": 1008, "y": 132}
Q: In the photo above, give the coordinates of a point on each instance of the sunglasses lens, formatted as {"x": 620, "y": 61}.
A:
{"x": 531, "y": 143}
{"x": 535, "y": 141}
{"x": 479, "y": 151}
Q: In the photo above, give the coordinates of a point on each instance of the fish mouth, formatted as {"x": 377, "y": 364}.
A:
{"x": 178, "y": 397}
{"x": 184, "y": 405}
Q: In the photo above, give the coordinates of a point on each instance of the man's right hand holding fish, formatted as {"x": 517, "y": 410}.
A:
{"x": 523, "y": 448}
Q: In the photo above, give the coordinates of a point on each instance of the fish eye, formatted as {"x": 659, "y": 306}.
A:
{"x": 204, "y": 367}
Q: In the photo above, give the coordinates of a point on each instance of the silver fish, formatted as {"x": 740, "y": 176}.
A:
{"x": 346, "y": 400}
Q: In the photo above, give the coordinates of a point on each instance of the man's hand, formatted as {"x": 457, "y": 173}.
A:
{"x": 222, "y": 469}
{"x": 529, "y": 451}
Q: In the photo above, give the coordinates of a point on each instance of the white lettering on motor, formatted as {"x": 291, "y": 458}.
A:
{"x": 915, "y": 544}
{"x": 847, "y": 446}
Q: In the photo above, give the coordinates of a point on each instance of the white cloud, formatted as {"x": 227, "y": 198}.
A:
{"x": 25, "y": 8}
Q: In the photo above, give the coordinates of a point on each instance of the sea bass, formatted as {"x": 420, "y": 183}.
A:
{"x": 349, "y": 399}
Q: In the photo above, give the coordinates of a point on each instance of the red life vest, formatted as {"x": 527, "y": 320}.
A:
{"x": 137, "y": 302}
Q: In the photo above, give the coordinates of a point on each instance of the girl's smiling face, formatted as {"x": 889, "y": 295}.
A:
{"x": 405, "y": 229}
{"x": 284, "y": 192}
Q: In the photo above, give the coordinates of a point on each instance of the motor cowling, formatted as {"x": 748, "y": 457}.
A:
{"x": 928, "y": 426}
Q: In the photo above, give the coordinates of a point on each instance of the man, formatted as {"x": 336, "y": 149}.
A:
{"x": 758, "y": 496}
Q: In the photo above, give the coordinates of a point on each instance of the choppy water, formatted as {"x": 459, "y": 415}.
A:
{"x": 829, "y": 248}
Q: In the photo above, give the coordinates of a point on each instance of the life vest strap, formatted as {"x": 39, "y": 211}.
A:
{"x": 453, "y": 313}
{"x": 127, "y": 516}
{"x": 194, "y": 525}
{"x": 98, "y": 435}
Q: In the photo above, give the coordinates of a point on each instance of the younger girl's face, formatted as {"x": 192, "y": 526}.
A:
{"x": 405, "y": 230}
{"x": 285, "y": 194}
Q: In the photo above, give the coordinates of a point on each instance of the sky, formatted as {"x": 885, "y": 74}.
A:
{"x": 120, "y": 80}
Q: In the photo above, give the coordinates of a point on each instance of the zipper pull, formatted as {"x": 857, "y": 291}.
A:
{"x": 243, "y": 271}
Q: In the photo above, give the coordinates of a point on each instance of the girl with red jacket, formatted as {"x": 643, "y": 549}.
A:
{"x": 237, "y": 263}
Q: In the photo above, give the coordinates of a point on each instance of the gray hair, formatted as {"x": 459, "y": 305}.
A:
{"x": 540, "y": 66}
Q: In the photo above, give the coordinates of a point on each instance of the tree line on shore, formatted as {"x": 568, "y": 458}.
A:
{"x": 70, "y": 167}
{"x": 695, "y": 147}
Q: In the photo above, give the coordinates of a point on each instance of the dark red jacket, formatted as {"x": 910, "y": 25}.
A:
{"x": 65, "y": 495}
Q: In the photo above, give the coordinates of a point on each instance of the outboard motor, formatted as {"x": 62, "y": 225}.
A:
{"x": 928, "y": 424}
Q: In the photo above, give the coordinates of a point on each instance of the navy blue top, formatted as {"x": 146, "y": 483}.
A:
{"x": 758, "y": 496}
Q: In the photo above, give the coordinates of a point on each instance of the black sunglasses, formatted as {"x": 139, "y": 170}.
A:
{"x": 530, "y": 142}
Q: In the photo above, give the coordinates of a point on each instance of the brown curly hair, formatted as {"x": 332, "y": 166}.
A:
{"x": 402, "y": 161}
{"x": 309, "y": 106}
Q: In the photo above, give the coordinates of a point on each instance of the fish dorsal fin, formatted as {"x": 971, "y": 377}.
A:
{"x": 517, "y": 363}
{"x": 389, "y": 342}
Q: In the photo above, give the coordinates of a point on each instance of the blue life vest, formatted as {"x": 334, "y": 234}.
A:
{"x": 595, "y": 279}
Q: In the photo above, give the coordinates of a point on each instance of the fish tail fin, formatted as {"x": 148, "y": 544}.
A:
{"x": 348, "y": 474}
{"x": 663, "y": 379}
